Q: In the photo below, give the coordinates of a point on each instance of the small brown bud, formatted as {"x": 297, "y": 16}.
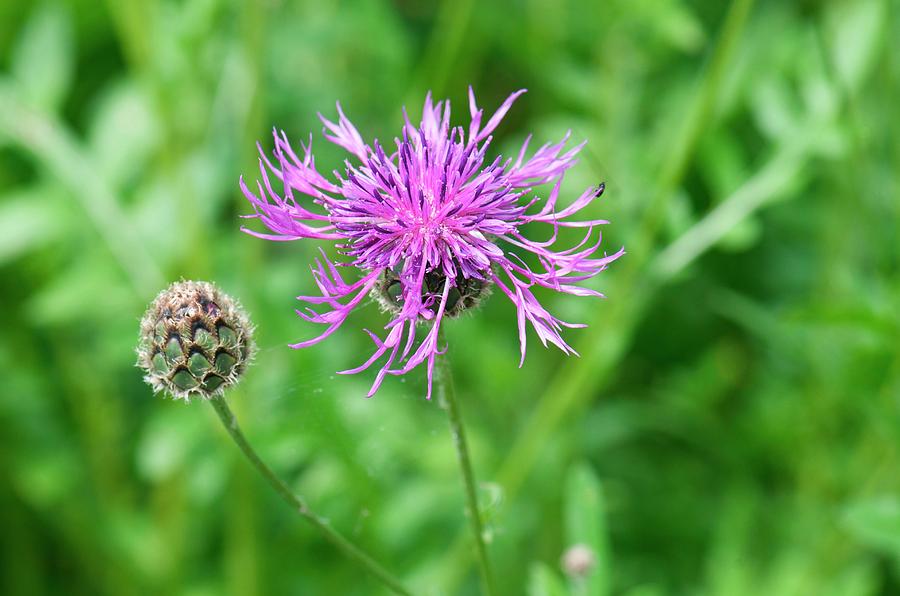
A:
{"x": 578, "y": 560}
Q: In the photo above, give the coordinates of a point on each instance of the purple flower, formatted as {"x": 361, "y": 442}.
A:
{"x": 431, "y": 228}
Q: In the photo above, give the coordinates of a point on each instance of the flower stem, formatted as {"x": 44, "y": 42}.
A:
{"x": 299, "y": 505}
{"x": 448, "y": 401}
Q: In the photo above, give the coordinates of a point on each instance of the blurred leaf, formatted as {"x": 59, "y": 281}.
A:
{"x": 725, "y": 163}
{"x": 87, "y": 291}
{"x": 790, "y": 572}
{"x": 543, "y": 581}
{"x": 585, "y": 524}
{"x": 123, "y": 133}
{"x": 56, "y": 147}
{"x": 139, "y": 541}
{"x": 855, "y": 29}
{"x": 672, "y": 21}
{"x": 169, "y": 436}
{"x": 860, "y": 579}
{"x": 730, "y": 570}
{"x": 777, "y": 179}
{"x": 28, "y": 221}
{"x": 743, "y": 235}
{"x": 43, "y": 58}
{"x": 157, "y": 214}
{"x": 679, "y": 216}
{"x": 875, "y": 523}
{"x": 645, "y": 590}
{"x": 819, "y": 92}
{"x": 775, "y": 108}
{"x": 46, "y": 478}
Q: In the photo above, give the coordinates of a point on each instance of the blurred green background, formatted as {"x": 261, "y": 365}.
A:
{"x": 732, "y": 425}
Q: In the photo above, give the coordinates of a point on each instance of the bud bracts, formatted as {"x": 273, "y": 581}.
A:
{"x": 195, "y": 341}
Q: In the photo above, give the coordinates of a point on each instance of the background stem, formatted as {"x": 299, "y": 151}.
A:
{"x": 447, "y": 396}
{"x": 344, "y": 545}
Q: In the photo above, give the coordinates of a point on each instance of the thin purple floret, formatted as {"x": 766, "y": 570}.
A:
{"x": 429, "y": 210}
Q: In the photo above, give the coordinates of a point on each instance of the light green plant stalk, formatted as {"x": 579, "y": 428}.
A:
{"x": 448, "y": 401}
{"x": 350, "y": 550}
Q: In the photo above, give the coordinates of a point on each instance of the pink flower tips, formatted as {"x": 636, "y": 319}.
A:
{"x": 431, "y": 228}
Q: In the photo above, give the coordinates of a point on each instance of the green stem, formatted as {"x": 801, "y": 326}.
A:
{"x": 299, "y": 505}
{"x": 448, "y": 401}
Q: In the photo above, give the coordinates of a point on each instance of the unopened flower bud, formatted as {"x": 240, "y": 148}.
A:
{"x": 578, "y": 560}
{"x": 195, "y": 341}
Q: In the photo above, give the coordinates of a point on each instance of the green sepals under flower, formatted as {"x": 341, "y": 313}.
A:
{"x": 466, "y": 295}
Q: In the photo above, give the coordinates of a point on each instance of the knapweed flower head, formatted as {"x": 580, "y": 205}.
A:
{"x": 195, "y": 341}
{"x": 430, "y": 224}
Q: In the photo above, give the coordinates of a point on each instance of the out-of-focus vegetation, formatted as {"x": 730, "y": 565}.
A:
{"x": 732, "y": 425}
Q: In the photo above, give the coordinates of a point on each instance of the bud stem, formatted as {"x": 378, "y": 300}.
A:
{"x": 448, "y": 401}
{"x": 299, "y": 505}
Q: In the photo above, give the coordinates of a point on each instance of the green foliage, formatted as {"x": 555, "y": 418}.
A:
{"x": 585, "y": 525}
{"x": 542, "y": 581}
{"x": 42, "y": 60}
{"x": 731, "y": 427}
{"x": 876, "y": 523}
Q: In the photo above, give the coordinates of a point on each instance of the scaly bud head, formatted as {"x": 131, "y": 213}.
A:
{"x": 195, "y": 341}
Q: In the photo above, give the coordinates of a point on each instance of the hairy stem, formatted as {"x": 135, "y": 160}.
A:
{"x": 448, "y": 401}
{"x": 299, "y": 505}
